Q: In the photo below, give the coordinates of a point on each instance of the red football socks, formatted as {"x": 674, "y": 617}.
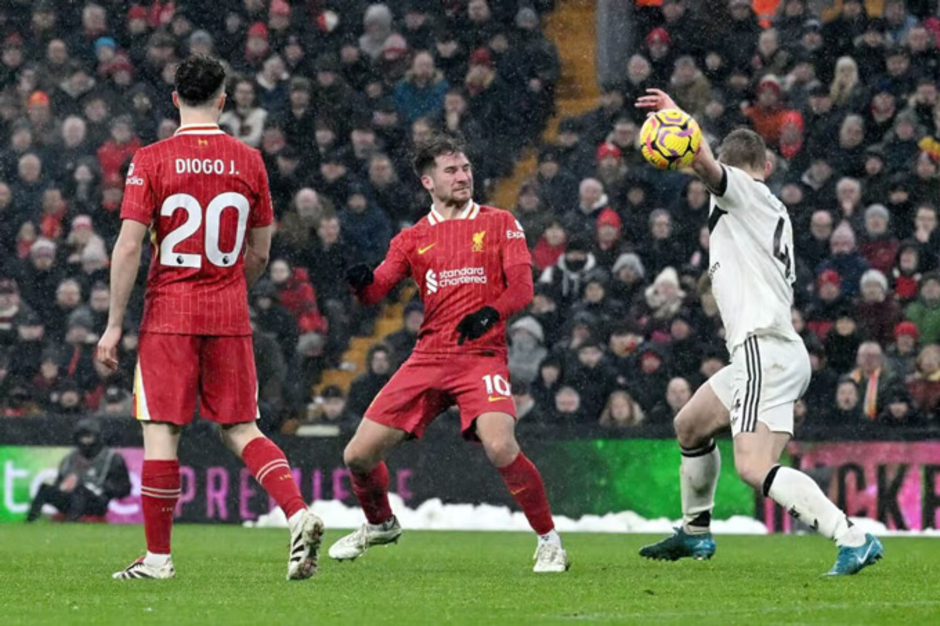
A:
{"x": 269, "y": 466}
{"x": 525, "y": 485}
{"x": 372, "y": 491}
{"x": 159, "y": 491}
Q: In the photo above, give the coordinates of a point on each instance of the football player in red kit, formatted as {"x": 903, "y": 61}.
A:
{"x": 473, "y": 272}
{"x": 203, "y": 197}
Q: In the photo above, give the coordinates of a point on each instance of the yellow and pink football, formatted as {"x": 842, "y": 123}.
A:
{"x": 670, "y": 139}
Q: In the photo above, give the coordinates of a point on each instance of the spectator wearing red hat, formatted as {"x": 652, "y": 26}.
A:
{"x": 491, "y": 99}
{"x": 39, "y": 112}
{"x": 611, "y": 170}
{"x": 609, "y": 238}
{"x": 822, "y": 312}
{"x": 661, "y": 54}
{"x": 768, "y": 115}
{"x": 257, "y": 47}
{"x": 901, "y": 354}
{"x": 279, "y": 24}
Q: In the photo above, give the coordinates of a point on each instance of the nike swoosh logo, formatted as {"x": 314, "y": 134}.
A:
{"x": 426, "y": 248}
{"x": 498, "y": 398}
{"x": 861, "y": 561}
{"x": 515, "y": 492}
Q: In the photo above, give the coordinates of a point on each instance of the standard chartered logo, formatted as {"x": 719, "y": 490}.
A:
{"x": 452, "y": 278}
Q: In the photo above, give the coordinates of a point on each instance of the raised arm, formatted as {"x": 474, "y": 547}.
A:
{"x": 705, "y": 166}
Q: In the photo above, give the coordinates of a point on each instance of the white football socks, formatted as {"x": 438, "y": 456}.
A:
{"x": 803, "y": 499}
{"x": 551, "y": 537}
{"x": 156, "y": 560}
{"x": 698, "y": 477}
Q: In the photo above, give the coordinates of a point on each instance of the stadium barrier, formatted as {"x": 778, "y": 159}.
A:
{"x": 891, "y": 476}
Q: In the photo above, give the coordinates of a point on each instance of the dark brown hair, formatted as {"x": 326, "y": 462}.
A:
{"x": 426, "y": 153}
{"x": 743, "y": 147}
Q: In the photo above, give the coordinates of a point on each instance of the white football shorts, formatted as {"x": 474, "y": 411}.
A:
{"x": 766, "y": 376}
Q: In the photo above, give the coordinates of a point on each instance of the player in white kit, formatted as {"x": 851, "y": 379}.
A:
{"x": 751, "y": 267}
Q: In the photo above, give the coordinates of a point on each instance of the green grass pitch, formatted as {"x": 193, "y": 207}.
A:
{"x": 56, "y": 574}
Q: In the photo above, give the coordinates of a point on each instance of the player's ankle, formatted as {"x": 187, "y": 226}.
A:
{"x": 383, "y": 526}
{"x": 156, "y": 560}
{"x": 696, "y": 530}
{"x": 551, "y": 537}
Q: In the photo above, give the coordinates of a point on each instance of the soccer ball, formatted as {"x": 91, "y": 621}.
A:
{"x": 670, "y": 139}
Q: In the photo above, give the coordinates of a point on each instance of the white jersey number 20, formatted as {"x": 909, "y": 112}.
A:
{"x": 168, "y": 256}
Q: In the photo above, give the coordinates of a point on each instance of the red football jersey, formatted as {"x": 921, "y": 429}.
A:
{"x": 199, "y": 192}
{"x": 459, "y": 265}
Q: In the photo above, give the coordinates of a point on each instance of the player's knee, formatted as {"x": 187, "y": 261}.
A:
{"x": 357, "y": 460}
{"x": 688, "y": 433}
{"x": 502, "y": 451}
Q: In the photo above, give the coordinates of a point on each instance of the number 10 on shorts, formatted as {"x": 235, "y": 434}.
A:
{"x": 497, "y": 385}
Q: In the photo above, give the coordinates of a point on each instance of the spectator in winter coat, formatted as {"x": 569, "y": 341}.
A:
{"x": 879, "y": 247}
{"x": 403, "y": 341}
{"x": 609, "y": 238}
{"x": 533, "y": 215}
{"x": 925, "y": 387}
{"x": 663, "y": 299}
{"x": 873, "y": 379}
{"x": 828, "y": 300}
{"x": 844, "y": 260}
{"x": 925, "y": 312}
{"x": 592, "y": 201}
{"x": 842, "y": 340}
{"x": 662, "y": 248}
{"x": 119, "y": 149}
{"x": 366, "y": 386}
{"x": 678, "y": 394}
{"x": 906, "y": 273}
{"x": 877, "y": 314}
{"x": 421, "y": 92}
{"x": 365, "y": 226}
{"x": 629, "y": 276}
{"x": 900, "y": 409}
{"x": 271, "y": 318}
{"x": 901, "y": 355}
{"x": 526, "y": 350}
{"x": 568, "y": 275}
{"x": 246, "y": 120}
{"x": 297, "y": 296}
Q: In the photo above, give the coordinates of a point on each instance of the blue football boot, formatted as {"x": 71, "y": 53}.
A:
{"x": 853, "y": 560}
{"x": 681, "y": 545}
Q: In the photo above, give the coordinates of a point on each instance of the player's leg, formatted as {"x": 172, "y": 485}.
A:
{"x": 47, "y": 494}
{"x": 756, "y": 456}
{"x": 365, "y": 457}
{"x": 779, "y": 372}
{"x": 227, "y": 396}
{"x": 159, "y": 492}
{"x": 165, "y": 382}
{"x": 403, "y": 408}
{"x": 698, "y": 421}
{"x": 496, "y": 431}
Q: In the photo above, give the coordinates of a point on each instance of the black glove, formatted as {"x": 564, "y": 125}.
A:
{"x": 359, "y": 276}
{"x": 476, "y": 324}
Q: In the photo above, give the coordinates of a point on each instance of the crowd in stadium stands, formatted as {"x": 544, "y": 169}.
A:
{"x": 623, "y": 327}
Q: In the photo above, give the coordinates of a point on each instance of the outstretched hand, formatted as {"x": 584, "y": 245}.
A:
{"x": 655, "y": 100}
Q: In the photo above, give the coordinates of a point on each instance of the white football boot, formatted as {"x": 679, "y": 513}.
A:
{"x": 306, "y": 533}
{"x": 353, "y": 545}
{"x": 550, "y": 557}
{"x": 140, "y": 570}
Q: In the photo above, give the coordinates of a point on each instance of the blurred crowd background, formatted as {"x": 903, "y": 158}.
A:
{"x": 623, "y": 327}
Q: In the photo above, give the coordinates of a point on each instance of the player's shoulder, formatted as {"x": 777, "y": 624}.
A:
{"x": 414, "y": 232}
{"x": 496, "y": 215}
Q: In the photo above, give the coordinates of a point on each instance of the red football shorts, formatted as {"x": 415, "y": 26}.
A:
{"x": 173, "y": 369}
{"x": 427, "y": 385}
